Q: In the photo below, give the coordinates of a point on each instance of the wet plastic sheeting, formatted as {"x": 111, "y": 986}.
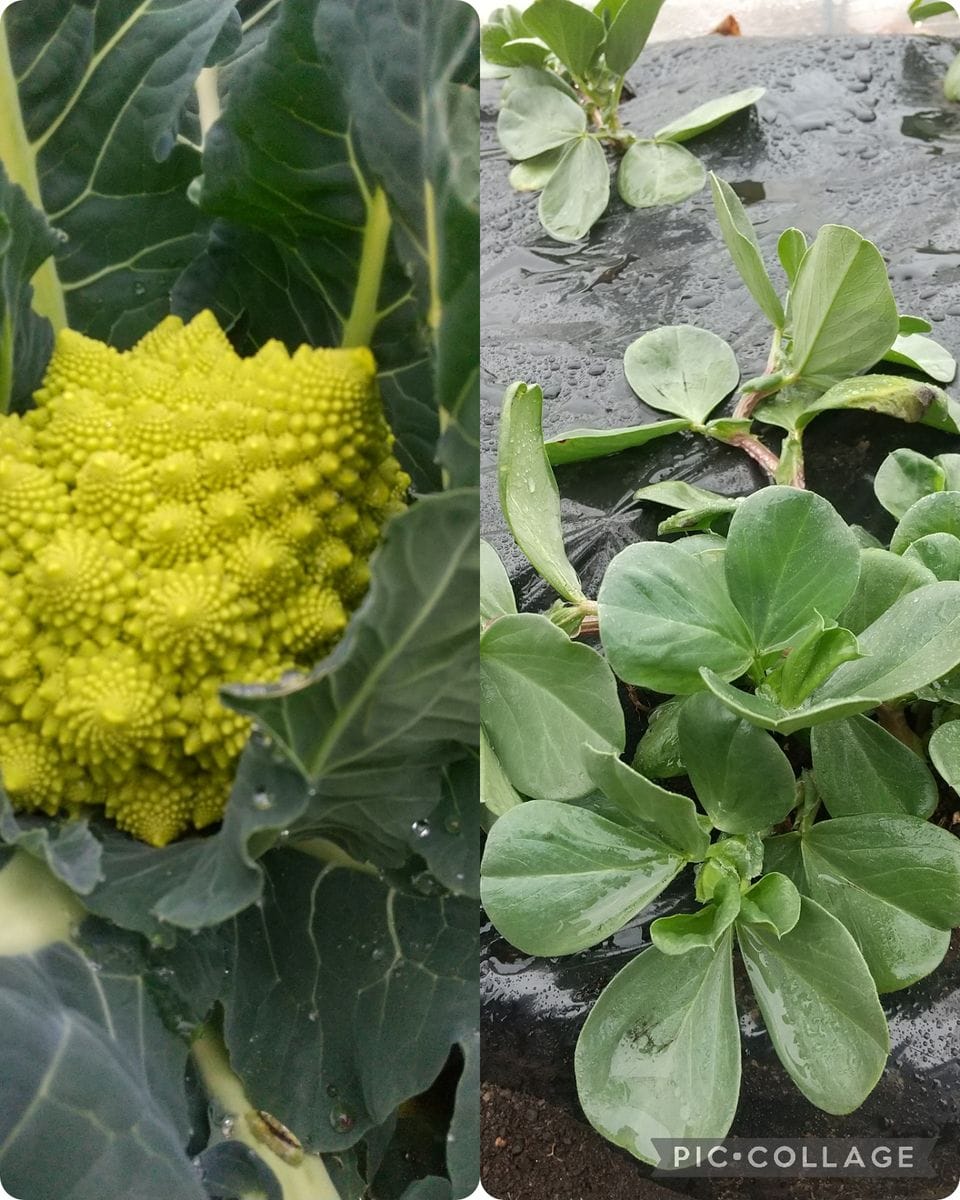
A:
{"x": 853, "y": 131}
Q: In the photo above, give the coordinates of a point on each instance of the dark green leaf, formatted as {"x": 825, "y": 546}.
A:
{"x": 232, "y": 1169}
{"x": 496, "y": 592}
{"x": 820, "y": 1007}
{"x": 579, "y": 445}
{"x": 842, "y": 308}
{"x": 373, "y": 999}
{"x": 400, "y": 687}
{"x": 654, "y": 173}
{"x": 658, "y": 753}
{"x": 790, "y": 556}
{"x": 741, "y": 241}
{"x": 545, "y": 699}
{"x": 101, "y": 90}
{"x": 661, "y": 1020}
{"x": 556, "y": 879}
{"x": 860, "y": 768}
{"x": 26, "y": 339}
{"x": 572, "y": 32}
{"x": 528, "y": 491}
{"x": 503, "y": 41}
{"x": 664, "y": 613}
{"x": 628, "y": 33}
{"x": 87, "y": 1064}
{"x": 681, "y": 369}
{"x": 68, "y": 848}
{"x": 658, "y": 814}
{"x": 741, "y": 776}
{"x": 674, "y": 493}
{"x": 449, "y": 841}
{"x": 577, "y": 192}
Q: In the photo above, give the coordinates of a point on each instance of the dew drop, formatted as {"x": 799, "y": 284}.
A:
{"x": 452, "y": 825}
{"x": 262, "y": 801}
{"x": 226, "y": 1125}
{"x": 139, "y": 289}
{"x": 420, "y": 829}
{"x": 332, "y": 1090}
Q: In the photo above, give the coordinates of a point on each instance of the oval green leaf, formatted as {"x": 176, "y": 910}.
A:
{"x": 884, "y": 578}
{"x": 543, "y": 700}
{"x": 894, "y": 882}
{"x": 820, "y": 1006}
{"x": 860, "y": 768}
{"x": 684, "y": 932}
{"x": 572, "y": 32}
{"x": 707, "y": 116}
{"x": 580, "y": 445}
{"x": 532, "y": 174}
{"x": 528, "y": 491}
{"x": 661, "y": 815}
{"x": 741, "y": 776}
{"x": 791, "y": 247}
{"x": 938, "y": 552}
{"x": 628, "y": 33}
{"x": 663, "y": 614}
{"x": 773, "y": 901}
{"x": 944, "y": 751}
{"x": 790, "y": 556}
{"x": 556, "y": 879}
{"x": 936, "y": 513}
{"x": 654, "y": 173}
{"x": 497, "y": 793}
{"x": 923, "y": 354}
{"x": 913, "y": 643}
{"x": 681, "y": 369}
{"x": 660, "y": 1021}
{"x": 533, "y": 120}
{"x": 844, "y": 314}
{"x": 904, "y": 477}
{"x": 496, "y": 593}
{"x": 578, "y": 191}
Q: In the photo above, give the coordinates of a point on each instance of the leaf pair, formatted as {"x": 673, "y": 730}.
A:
{"x": 659, "y": 1054}
{"x": 677, "y": 369}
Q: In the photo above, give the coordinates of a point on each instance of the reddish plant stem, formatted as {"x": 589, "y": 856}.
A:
{"x": 757, "y": 451}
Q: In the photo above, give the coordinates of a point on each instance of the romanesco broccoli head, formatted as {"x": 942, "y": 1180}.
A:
{"x": 173, "y": 518}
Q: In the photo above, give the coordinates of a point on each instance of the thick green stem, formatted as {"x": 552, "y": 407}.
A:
{"x": 329, "y": 852}
{"x": 16, "y": 154}
{"x": 362, "y": 321}
{"x": 303, "y": 1180}
{"x": 38, "y": 909}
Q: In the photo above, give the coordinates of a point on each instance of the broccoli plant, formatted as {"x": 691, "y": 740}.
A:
{"x": 801, "y": 681}
{"x": 566, "y": 71}
{"x": 238, "y": 732}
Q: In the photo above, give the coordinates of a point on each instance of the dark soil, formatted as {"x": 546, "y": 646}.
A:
{"x": 531, "y": 1150}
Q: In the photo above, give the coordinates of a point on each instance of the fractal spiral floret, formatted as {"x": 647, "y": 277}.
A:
{"x": 173, "y": 518}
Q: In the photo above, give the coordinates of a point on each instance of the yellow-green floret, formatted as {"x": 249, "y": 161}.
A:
{"x": 173, "y": 518}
